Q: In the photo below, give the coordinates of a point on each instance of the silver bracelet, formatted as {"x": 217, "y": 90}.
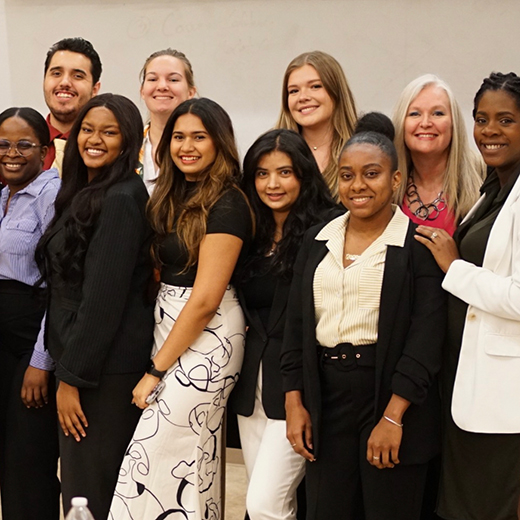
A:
{"x": 392, "y": 421}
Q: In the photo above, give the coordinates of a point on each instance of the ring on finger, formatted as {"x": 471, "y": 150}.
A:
{"x": 375, "y": 458}
{"x": 434, "y": 235}
{"x": 293, "y": 445}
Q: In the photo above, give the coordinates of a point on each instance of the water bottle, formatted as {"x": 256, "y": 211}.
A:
{"x": 79, "y": 510}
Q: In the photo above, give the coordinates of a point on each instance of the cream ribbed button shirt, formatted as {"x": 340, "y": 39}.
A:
{"x": 346, "y": 299}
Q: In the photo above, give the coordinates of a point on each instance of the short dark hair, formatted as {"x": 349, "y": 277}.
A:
{"x": 375, "y": 122}
{"x": 33, "y": 118}
{"x": 81, "y": 46}
{"x": 312, "y": 206}
{"x": 509, "y": 83}
{"x": 376, "y": 139}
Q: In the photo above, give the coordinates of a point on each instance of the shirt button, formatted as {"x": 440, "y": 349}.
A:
{"x": 358, "y": 356}
{"x": 471, "y": 316}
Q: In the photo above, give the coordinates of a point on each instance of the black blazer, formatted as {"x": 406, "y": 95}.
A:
{"x": 105, "y": 326}
{"x": 411, "y": 332}
{"x": 263, "y": 345}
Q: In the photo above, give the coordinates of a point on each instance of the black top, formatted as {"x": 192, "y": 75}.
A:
{"x": 106, "y": 325}
{"x": 259, "y": 290}
{"x": 229, "y": 215}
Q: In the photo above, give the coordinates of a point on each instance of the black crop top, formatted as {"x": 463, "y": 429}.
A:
{"x": 229, "y": 215}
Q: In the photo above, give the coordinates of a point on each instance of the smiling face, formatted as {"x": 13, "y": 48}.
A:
{"x": 276, "y": 182}
{"x": 165, "y": 86}
{"x": 19, "y": 171}
{"x": 67, "y": 87}
{"x": 367, "y": 182}
{"x": 428, "y": 125}
{"x": 99, "y": 140}
{"x": 308, "y": 101}
{"x": 497, "y": 131}
{"x": 192, "y": 148}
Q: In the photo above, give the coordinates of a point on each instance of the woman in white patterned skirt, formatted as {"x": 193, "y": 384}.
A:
{"x": 203, "y": 225}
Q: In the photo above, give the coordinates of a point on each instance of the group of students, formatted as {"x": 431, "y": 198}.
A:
{"x": 350, "y": 344}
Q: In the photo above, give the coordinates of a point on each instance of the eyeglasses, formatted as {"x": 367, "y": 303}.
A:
{"x": 23, "y": 147}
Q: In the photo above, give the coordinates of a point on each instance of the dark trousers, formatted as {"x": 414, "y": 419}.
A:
{"x": 90, "y": 467}
{"x": 340, "y": 483}
{"x": 28, "y": 436}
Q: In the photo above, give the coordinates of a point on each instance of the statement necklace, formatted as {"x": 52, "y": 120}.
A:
{"x": 421, "y": 210}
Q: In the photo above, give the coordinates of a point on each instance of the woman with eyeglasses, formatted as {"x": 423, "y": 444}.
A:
{"x": 28, "y": 428}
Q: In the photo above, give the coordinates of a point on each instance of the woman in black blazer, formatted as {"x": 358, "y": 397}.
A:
{"x": 288, "y": 195}
{"x": 99, "y": 323}
{"x": 362, "y": 350}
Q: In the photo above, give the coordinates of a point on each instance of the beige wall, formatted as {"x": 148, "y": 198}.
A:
{"x": 240, "y": 48}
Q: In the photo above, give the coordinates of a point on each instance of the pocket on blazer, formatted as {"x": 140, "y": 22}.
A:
{"x": 502, "y": 345}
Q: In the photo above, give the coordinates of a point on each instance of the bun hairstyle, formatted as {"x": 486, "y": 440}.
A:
{"x": 376, "y": 122}
{"x": 376, "y": 139}
{"x": 378, "y": 130}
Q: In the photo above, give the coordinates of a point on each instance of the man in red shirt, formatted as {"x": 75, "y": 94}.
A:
{"x": 72, "y": 72}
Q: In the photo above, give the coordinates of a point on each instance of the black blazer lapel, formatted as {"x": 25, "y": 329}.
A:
{"x": 281, "y": 295}
{"x": 393, "y": 282}
{"x": 252, "y": 318}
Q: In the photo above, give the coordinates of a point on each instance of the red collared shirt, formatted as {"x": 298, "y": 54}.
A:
{"x": 51, "y": 153}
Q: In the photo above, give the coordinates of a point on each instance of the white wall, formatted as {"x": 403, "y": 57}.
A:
{"x": 240, "y": 48}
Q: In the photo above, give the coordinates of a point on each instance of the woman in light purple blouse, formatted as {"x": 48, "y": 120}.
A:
{"x": 28, "y": 426}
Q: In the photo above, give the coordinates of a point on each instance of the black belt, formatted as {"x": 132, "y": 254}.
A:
{"x": 16, "y": 287}
{"x": 349, "y": 356}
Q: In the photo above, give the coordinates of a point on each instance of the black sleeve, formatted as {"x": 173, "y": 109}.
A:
{"x": 230, "y": 215}
{"x": 109, "y": 265}
{"x": 421, "y": 358}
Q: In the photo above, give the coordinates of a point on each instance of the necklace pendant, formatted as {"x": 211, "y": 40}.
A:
{"x": 350, "y": 257}
{"x": 314, "y": 147}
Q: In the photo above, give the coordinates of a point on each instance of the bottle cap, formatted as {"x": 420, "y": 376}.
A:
{"x": 79, "y": 502}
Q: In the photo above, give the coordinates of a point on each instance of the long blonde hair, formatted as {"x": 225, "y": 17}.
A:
{"x": 464, "y": 169}
{"x": 167, "y": 206}
{"x": 345, "y": 115}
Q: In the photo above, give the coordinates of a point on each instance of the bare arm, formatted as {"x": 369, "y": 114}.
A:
{"x": 218, "y": 256}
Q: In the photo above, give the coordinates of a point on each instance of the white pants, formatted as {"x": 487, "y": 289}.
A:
{"x": 273, "y": 468}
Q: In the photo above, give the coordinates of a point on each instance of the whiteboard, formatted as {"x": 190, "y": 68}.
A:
{"x": 240, "y": 48}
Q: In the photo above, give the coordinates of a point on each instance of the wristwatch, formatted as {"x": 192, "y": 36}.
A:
{"x": 156, "y": 373}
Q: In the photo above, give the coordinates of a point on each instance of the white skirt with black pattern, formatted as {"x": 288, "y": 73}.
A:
{"x": 172, "y": 467}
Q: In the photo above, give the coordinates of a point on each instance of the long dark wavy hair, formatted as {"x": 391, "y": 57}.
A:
{"x": 81, "y": 199}
{"x": 311, "y": 207}
{"x": 167, "y": 206}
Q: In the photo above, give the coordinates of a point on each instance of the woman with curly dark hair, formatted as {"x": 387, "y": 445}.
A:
{"x": 288, "y": 195}
{"x": 95, "y": 259}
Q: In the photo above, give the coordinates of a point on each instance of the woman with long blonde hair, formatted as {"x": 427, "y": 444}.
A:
{"x": 317, "y": 103}
{"x": 202, "y": 225}
{"x": 441, "y": 174}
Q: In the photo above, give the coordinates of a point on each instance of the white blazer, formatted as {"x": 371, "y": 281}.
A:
{"x": 486, "y": 395}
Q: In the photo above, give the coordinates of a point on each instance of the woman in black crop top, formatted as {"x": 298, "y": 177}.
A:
{"x": 288, "y": 195}
{"x": 203, "y": 225}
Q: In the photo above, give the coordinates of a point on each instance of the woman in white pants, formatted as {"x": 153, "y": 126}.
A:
{"x": 288, "y": 195}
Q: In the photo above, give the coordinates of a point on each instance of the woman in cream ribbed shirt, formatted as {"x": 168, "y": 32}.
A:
{"x": 365, "y": 326}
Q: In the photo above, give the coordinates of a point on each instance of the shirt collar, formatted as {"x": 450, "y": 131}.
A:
{"x": 54, "y": 132}
{"x": 36, "y": 186}
{"x": 393, "y": 235}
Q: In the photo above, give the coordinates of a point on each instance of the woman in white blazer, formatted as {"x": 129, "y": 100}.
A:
{"x": 481, "y": 456}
